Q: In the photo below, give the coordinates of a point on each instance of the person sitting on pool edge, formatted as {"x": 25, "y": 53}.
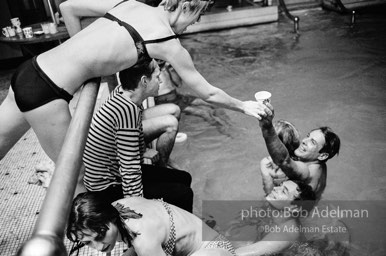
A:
{"x": 271, "y": 174}
{"x": 115, "y": 146}
{"x": 285, "y": 204}
{"x": 310, "y": 166}
{"x": 147, "y": 227}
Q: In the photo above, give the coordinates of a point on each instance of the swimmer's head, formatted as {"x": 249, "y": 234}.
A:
{"x": 288, "y": 134}
{"x": 292, "y": 194}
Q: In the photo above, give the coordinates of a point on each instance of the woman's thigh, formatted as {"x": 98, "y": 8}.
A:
{"x": 13, "y": 124}
{"x": 50, "y": 122}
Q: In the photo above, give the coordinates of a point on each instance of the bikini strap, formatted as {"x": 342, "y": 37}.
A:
{"x": 135, "y": 35}
{"x": 159, "y": 40}
{"x": 120, "y": 3}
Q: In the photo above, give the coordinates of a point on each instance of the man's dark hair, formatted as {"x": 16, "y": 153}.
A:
{"x": 307, "y": 197}
{"x": 332, "y": 144}
{"x": 130, "y": 77}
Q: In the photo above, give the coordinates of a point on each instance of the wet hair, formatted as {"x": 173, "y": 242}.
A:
{"x": 171, "y": 5}
{"x": 91, "y": 212}
{"x": 288, "y": 134}
{"x": 306, "y": 198}
{"x": 332, "y": 144}
{"x": 130, "y": 77}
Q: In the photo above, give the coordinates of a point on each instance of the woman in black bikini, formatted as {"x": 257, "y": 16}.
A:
{"x": 42, "y": 87}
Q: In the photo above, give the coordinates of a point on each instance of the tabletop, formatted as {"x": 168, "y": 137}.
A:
{"x": 42, "y": 38}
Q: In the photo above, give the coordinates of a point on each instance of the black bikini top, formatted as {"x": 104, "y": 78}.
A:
{"x": 140, "y": 44}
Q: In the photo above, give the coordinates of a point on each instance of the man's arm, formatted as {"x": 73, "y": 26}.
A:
{"x": 279, "y": 152}
{"x": 73, "y": 10}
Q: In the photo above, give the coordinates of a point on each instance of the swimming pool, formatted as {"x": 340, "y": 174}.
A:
{"x": 332, "y": 74}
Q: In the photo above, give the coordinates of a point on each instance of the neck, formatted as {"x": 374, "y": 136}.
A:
{"x": 172, "y": 17}
{"x": 135, "y": 96}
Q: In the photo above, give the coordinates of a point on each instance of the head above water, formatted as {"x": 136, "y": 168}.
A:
{"x": 94, "y": 222}
{"x": 320, "y": 145}
{"x": 288, "y": 134}
{"x": 292, "y": 194}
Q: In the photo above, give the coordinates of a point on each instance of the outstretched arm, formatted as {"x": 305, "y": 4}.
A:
{"x": 180, "y": 59}
{"x": 73, "y": 10}
{"x": 279, "y": 152}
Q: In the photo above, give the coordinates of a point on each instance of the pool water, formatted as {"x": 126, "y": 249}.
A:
{"x": 331, "y": 74}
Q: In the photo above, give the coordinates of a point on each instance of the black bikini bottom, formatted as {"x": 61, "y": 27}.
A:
{"x": 33, "y": 88}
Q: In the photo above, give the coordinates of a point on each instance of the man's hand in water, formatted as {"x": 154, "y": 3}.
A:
{"x": 256, "y": 109}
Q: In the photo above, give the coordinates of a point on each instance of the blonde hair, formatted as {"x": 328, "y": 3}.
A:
{"x": 288, "y": 134}
{"x": 171, "y": 5}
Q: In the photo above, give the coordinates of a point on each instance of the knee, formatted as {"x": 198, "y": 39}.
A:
{"x": 175, "y": 111}
{"x": 172, "y": 123}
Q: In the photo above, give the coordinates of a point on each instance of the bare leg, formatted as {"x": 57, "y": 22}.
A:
{"x": 162, "y": 122}
{"x": 50, "y": 123}
{"x": 13, "y": 124}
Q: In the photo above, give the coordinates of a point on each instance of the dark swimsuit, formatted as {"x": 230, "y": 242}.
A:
{"x": 33, "y": 88}
{"x": 140, "y": 44}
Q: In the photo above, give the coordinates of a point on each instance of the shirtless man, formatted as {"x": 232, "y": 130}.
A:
{"x": 310, "y": 166}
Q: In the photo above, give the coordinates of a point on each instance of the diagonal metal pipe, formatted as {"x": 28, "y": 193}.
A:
{"x": 48, "y": 235}
{"x": 295, "y": 19}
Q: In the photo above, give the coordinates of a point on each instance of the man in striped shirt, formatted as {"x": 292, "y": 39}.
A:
{"x": 113, "y": 156}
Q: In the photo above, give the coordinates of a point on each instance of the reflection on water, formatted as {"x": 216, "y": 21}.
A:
{"x": 331, "y": 75}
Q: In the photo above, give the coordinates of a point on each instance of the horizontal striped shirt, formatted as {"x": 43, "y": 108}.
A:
{"x": 115, "y": 146}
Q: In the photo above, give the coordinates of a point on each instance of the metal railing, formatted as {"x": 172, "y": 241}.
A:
{"x": 295, "y": 19}
{"x": 48, "y": 235}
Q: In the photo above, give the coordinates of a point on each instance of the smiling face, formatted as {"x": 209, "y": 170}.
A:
{"x": 309, "y": 149}
{"x": 282, "y": 196}
{"x": 101, "y": 242}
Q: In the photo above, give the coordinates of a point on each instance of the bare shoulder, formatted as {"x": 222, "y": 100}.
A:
{"x": 316, "y": 169}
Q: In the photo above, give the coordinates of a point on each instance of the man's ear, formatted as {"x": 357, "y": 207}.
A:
{"x": 323, "y": 156}
{"x": 144, "y": 81}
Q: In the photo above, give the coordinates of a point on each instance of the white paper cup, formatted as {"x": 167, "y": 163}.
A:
{"x": 263, "y": 96}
